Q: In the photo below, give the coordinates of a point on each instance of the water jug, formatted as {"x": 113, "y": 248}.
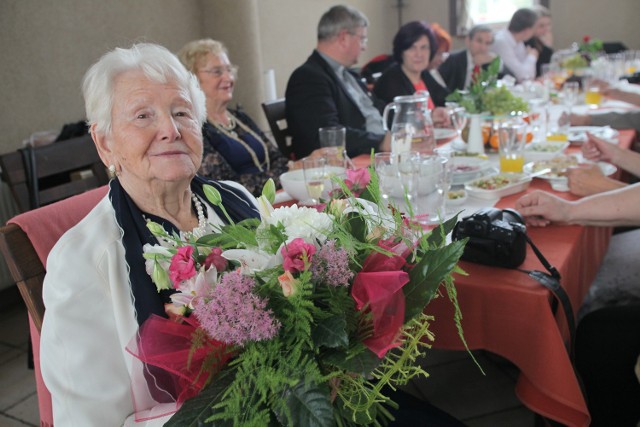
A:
{"x": 411, "y": 127}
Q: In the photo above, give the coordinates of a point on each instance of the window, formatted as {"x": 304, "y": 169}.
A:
{"x": 467, "y": 13}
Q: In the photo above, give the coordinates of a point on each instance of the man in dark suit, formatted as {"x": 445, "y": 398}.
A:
{"x": 457, "y": 69}
{"x": 324, "y": 92}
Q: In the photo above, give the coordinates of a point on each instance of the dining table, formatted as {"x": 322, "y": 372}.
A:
{"x": 508, "y": 313}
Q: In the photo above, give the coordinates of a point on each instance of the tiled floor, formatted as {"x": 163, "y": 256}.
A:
{"x": 456, "y": 385}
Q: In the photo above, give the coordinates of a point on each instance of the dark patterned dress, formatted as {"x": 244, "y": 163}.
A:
{"x": 226, "y": 158}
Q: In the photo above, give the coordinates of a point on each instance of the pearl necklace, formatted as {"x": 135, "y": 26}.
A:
{"x": 228, "y": 130}
{"x": 201, "y": 229}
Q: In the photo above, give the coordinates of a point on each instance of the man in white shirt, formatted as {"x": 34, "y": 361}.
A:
{"x": 518, "y": 59}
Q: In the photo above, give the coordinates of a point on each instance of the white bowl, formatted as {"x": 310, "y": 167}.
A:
{"x": 544, "y": 150}
{"x": 293, "y": 182}
{"x": 497, "y": 186}
{"x": 466, "y": 168}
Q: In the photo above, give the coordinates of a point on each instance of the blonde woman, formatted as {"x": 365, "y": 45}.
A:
{"x": 234, "y": 146}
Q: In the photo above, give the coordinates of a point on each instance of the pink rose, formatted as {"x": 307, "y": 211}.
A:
{"x": 182, "y": 265}
{"x": 297, "y": 254}
{"x": 288, "y": 284}
{"x": 216, "y": 259}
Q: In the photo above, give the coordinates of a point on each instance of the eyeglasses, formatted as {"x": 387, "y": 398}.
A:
{"x": 219, "y": 71}
{"x": 363, "y": 39}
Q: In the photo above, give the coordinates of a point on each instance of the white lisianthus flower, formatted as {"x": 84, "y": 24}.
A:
{"x": 373, "y": 216}
{"x": 303, "y": 222}
{"x": 156, "y": 254}
{"x": 264, "y": 207}
{"x": 251, "y": 260}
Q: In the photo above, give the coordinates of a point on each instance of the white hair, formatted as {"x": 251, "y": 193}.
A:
{"x": 157, "y": 64}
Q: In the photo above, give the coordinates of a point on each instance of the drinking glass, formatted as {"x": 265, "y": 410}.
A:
{"x": 592, "y": 94}
{"x": 332, "y": 141}
{"x": 433, "y": 187}
{"x": 570, "y": 93}
{"x": 314, "y": 169}
{"x": 558, "y": 122}
{"x": 397, "y": 177}
{"x": 458, "y": 116}
{"x": 512, "y": 136}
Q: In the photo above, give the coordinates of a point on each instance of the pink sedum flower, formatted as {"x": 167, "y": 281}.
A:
{"x": 234, "y": 314}
{"x": 182, "y": 265}
{"x": 296, "y": 254}
{"x": 216, "y": 259}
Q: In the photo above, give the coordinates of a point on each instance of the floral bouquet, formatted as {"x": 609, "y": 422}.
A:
{"x": 303, "y": 317}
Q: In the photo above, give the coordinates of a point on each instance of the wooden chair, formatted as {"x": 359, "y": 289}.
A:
{"x": 43, "y": 175}
{"x": 275, "y": 113}
{"x": 25, "y": 244}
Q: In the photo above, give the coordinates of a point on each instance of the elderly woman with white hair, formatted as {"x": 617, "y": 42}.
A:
{"x": 145, "y": 113}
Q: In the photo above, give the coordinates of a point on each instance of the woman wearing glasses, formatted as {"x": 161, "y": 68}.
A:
{"x": 234, "y": 146}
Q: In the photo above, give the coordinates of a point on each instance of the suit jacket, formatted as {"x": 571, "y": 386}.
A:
{"x": 394, "y": 82}
{"x": 316, "y": 98}
{"x": 89, "y": 321}
{"x": 454, "y": 70}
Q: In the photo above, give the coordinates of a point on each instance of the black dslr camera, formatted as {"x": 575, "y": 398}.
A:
{"x": 496, "y": 237}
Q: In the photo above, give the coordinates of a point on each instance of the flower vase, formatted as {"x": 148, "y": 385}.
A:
{"x": 475, "y": 142}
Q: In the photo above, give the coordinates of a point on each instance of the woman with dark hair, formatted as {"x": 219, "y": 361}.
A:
{"x": 414, "y": 46}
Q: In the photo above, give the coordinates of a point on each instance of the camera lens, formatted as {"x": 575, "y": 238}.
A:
{"x": 511, "y": 215}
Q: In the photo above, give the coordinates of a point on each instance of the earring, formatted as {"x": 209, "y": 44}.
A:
{"x": 112, "y": 171}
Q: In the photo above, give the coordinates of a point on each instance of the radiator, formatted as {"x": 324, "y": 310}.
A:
{"x": 8, "y": 210}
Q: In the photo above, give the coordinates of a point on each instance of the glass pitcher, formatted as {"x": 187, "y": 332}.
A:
{"x": 412, "y": 127}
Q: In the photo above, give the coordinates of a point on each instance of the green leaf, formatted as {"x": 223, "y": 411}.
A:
{"x": 196, "y": 410}
{"x": 269, "y": 190}
{"x": 426, "y": 276}
{"x": 309, "y": 405}
{"x": 331, "y": 332}
{"x": 362, "y": 363}
{"x": 438, "y": 234}
{"x": 357, "y": 226}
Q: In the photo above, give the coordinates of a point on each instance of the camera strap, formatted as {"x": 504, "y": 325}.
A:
{"x": 551, "y": 281}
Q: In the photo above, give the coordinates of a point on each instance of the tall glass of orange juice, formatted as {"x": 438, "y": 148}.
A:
{"x": 592, "y": 94}
{"x": 512, "y": 137}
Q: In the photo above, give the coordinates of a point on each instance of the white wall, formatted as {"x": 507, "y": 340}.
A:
{"x": 47, "y": 46}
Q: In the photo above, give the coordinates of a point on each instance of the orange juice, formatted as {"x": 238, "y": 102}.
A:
{"x": 562, "y": 137}
{"x": 511, "y": 163}
{"x": 592, "y": 97}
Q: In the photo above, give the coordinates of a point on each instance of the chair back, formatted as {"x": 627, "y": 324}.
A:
{"x": 275, "y": 113}
{"x": 42, "y": 175}
{"x": 25, "y": 244}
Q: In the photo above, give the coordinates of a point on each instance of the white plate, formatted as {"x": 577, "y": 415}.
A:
{"x": 544, "y": 150}
{"x": 578, "y": 134}
{"x": 444, "y": 133}
{"x": 607, "y": 168}
{"x": 516, "y": 182}
{"x": 465, "y": 168}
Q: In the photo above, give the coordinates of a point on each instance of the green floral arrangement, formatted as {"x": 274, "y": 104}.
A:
{"x": 587, "y": 50}
{"x": 484, "y": 96}
{"x": 304, "y": 316}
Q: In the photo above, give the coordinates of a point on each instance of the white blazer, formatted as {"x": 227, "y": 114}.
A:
{"x": 89, "y": 320}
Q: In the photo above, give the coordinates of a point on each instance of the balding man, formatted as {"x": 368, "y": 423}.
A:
{"x": 324, "y": 92}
